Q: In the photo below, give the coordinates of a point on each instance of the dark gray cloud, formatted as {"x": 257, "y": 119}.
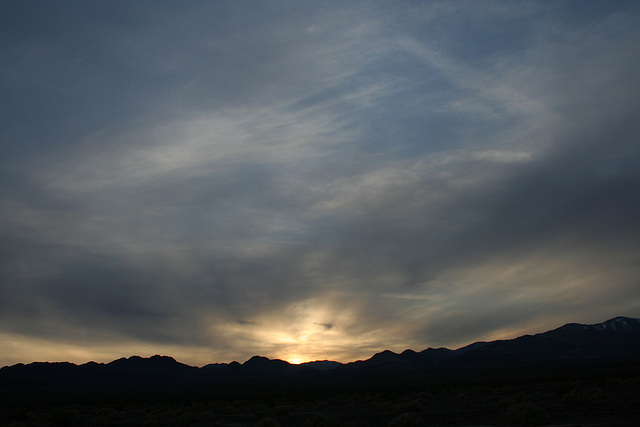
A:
{"x": 313, "y": 181}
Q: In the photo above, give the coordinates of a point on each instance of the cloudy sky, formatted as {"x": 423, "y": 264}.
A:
{"x": 308, "y": 180}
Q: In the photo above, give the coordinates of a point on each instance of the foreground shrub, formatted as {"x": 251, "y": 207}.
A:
{"x": 268, "y": 422}
{"x": 407, "y": 420}
{"x": 525, "y": 414}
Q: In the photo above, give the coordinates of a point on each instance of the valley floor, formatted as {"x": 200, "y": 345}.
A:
{"x": 598, "y": 401}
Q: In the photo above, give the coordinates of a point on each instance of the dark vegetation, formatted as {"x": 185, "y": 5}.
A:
{"x": 574, "y": 375}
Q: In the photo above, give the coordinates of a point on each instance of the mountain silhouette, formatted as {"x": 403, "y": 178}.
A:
{"x": 613, "y": 343}
{"x": 617, "y": 339}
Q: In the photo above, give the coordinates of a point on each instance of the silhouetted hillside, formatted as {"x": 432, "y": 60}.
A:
{"x": 608, "y": 345}
{"x": 615, "y": 340}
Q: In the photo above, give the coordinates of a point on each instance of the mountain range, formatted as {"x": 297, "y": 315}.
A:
{"x": 614, "y": 343}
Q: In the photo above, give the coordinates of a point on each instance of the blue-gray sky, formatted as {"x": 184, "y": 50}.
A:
{"x": 311, "y": 180}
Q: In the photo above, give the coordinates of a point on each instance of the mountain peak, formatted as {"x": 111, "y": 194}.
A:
{"x": 619, "y": 324}
{"x": 257, "y": 359}
{"x": 153, "y": 363}
{"x": 385, "y": 353}
{"x": 261, "y": 361}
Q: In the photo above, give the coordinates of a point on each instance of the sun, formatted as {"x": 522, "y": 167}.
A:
{"x": 295, "y": 361}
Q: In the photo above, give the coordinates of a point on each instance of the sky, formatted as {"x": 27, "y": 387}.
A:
{"x": 311, "y": 180}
